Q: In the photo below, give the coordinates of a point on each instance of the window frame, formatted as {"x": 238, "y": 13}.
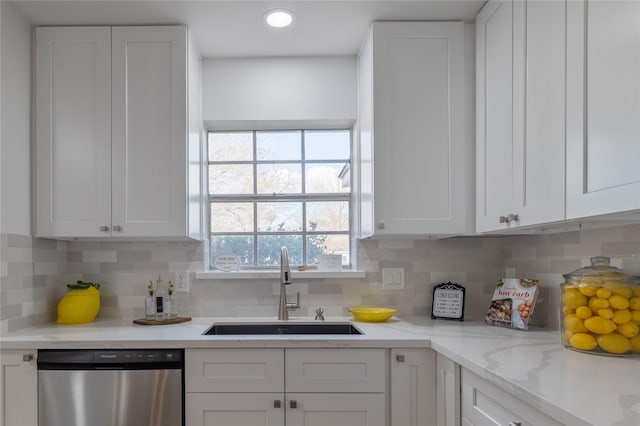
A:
{"x": 301, "y": 197}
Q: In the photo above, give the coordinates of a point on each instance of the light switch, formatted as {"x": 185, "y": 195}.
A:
{"x": 392, "y": 278}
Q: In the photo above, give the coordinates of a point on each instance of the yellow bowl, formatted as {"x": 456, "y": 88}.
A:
{"x": 371, "y": 314}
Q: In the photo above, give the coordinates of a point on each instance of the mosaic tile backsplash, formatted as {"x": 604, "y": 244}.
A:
{"x": 35, "y": 271}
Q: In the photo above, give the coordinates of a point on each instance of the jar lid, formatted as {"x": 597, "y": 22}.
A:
{"x": 599, "y": 267}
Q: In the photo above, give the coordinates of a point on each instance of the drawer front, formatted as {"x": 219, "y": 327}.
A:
{"x": 234, "y": 370}
{"x": 336, "y": 370}
{"x": 238, "y": 409}
{"x": 485, "y": 404}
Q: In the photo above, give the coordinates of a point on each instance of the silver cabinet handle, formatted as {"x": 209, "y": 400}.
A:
{"x": 293, "y": 404}
{"x": 515, "y": 423}
{"x": 510, "y": 218}
{"x": 400, "y": 358}
{"x": 380, "y": 225}
{"x": 503, "y": 219}
{"x": 104, "y": 228}
{"x": 277, "y": 403}
{"x": 27, "y": 357}
{"x": 117, "y": 228}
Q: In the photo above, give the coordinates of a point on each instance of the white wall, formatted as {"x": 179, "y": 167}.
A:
{"x": 279, "y": 92}
{"x": 15, "y": 80}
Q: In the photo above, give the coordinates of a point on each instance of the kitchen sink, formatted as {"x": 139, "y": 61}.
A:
{"x": 281, "y": 328}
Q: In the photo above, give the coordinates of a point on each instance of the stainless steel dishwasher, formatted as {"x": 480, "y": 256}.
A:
{"x": 124, "y": 387}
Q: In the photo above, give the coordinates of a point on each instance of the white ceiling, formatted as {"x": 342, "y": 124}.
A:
{"x": 234, "y": 28}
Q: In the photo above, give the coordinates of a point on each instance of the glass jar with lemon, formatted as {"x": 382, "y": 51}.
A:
{"x": 601, "y": 310}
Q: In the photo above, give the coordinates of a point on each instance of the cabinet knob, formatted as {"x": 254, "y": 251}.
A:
{"x": 503, "y": 219}
{"x": 117, "y": 228}
{"x": 400, "y": 358}
{"x": 380, "y": 225}
{"x": 277, "y": 403}
{"x": 104, "y": 228}
{"x": 27, "y": 357}
{"x": 293, "y": 404}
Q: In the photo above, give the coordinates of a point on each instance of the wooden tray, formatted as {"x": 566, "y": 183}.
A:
{"x": 177, "y": 320}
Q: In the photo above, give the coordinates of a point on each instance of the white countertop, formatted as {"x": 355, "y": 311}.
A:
{"x": 574, "y": 388}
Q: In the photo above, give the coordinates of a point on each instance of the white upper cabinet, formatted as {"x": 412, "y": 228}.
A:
{"x": 113, "y": 154}
{"x": 520, "y": 114}
{"x": 603, "y": 95}
{"x": 413, "y": 160}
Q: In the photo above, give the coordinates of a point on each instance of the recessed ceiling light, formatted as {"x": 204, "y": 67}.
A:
{"x": 278, "y": 18}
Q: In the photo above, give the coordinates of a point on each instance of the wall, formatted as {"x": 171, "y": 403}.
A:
{"x": 276, "y": 92}
{"x": 475, "y": 262}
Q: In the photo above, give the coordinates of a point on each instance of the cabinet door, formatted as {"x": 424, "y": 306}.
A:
{"x": 73, "y": 131}
{"x": 447, "y": 391}
{"x": 603, "y": 110}
{"x": 420, "y": 184}
{"x": 539, "y": 111}
{"x": 494, "y": 114}
{"x": 149, "y": 131}
{"x": 350, "y": 409}
{"x": 234, "y": 409}
{"x": 413, "y": 393}
{"x": 18, "y": 388}
{"x": 484, "y": 404}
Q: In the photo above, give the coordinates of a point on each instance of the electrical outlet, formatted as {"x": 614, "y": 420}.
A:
{"x": 182, "y": 281}
{"x": 392, "y": 278}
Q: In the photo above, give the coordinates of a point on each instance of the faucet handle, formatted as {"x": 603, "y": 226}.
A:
{"x": 319, "y": 313}
{"x": 292, "y": 306}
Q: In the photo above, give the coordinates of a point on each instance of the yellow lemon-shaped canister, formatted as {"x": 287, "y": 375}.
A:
{"x": 80, "y": 305}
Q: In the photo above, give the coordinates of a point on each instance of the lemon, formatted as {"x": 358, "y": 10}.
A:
{"x": 635, "y": 316}
{"x": 603, "y": 293}
{"x": 619, "y": 302}
{"x": 635, "y": 343}
{"x": 79, "y": 306}
{"x": 588, "y": 291}
{"x": 574, "y": 324}
{"x": 614, "y": 343}
{"x": 583, "y": 312}
{"x": 599, "y": 325}
{"x": 625, "y": 292}
{"x": 572, "y": 298}
{"x": 622, "y": 316}
{"x": 596, "y": 303}
{"x": 567, "y": 335}
{"x": 583, "y": 341}
{"x": 634, "y": 303}
{"x": 628, "y": 329}
{"x": 605, "y": 313}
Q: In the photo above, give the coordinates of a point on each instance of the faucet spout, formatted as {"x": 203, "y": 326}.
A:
{"x": 285, "y": 279}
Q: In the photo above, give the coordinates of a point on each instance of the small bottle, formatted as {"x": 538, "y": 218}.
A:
{"x": 159, "y": 301}
{"x": 170, "y": 307}
{"x": 150, "y": 303}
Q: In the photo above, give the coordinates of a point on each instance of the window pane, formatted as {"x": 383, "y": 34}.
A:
{"x": 231, "y": 179}
{"x": 241, "y": 246}
{"x": 269, "y": 249}
{"x": 279, "y": 178}
{"x": 232, "y": 146}
{"x": 327, "y": 178}
{"x": 328, "y": 216}
{"x": 327, "y": 244}
{"x": 279, "y": 145}
{"x": 327, "y": 145}
{"x": 279, "y": 217}
{"x": 232, "y": 217}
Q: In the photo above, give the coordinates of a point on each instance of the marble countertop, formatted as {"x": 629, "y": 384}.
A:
{"x": 575, "y": 388}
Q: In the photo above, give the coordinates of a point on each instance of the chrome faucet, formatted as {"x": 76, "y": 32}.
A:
{"x": 285, "y": 279}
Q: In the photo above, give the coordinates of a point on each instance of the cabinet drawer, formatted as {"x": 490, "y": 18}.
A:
{"x": 234, "y": 370}
{"x": 238, "y": 409}
{"x": 483, "y": 403}
{"x": 336, "y": 370}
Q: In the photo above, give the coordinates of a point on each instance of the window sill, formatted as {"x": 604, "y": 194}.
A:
{"x": 258, "y": 274}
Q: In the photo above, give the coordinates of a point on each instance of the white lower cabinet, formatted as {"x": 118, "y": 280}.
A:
{"x": 285, "y": 386}
{"x": 447, "y": 391}
{"x": 18, "y": 388}
{"x": 485, "y": 404}
{"x": 413, "y": 387}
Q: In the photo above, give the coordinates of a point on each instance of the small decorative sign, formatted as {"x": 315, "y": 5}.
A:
{"x": 448, "y": 301}
{"x": 330, "y": 262}
{"x": 226, "y": 262}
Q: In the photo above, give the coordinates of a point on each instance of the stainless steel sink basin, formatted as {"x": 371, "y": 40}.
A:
{"x": 281, "y": 328}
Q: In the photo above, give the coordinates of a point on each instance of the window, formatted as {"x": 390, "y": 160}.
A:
{"x": 269, "y": 189}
